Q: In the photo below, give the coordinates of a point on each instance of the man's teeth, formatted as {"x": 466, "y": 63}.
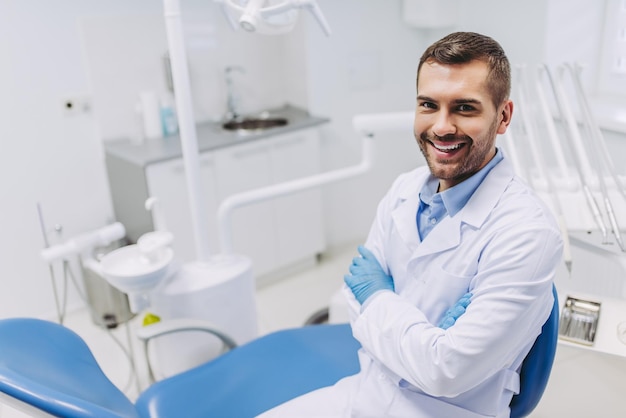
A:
{"x": 447, "y": 147}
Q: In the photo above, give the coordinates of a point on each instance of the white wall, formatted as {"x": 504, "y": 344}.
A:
{"x": 45, "y": 157}
{"x": 128, "y": 60}
{"x": 50, "y": 52}
{"x": 96, "y": 49}
{"x": 373, "y": 32}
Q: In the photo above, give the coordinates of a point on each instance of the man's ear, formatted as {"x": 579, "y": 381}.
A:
{"x": 506, "y": 114}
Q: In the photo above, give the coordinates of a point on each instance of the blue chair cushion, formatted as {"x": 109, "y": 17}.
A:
{"x": 255, "y": 377}
{"x": 50, "y": 367}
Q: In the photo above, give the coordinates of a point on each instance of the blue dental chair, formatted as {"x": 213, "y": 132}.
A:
{"x": 49, "y": 368}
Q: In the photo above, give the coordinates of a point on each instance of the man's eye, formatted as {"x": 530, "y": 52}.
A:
{"x": 428, "y": 105}
{"x": 465, "y": 108}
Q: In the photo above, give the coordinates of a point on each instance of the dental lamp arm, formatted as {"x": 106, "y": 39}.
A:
{"x": 253, "y": 15}
{"x": 310, "y": 5}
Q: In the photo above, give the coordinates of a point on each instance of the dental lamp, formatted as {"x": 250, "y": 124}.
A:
{"x": 269, "y": 16}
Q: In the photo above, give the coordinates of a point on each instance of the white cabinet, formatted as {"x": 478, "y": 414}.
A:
{"x": 166, "y": 181}
{"x": 284, "y": 230}
{"x": 242, "y": 168}
{"x": 297, "y": 217}
{"x": 275, "y": 234}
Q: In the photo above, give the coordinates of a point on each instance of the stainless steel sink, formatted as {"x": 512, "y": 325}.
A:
{"x": 254, "y": 124}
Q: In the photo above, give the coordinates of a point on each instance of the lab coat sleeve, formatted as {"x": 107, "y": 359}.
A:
{"x": 512, "y": 299}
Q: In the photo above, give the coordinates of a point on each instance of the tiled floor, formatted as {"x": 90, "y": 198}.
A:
{"x": 583, "y": 383}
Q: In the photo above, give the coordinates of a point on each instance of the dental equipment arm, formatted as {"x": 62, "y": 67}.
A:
{"x": 543, "y": 169}
{"x": 365, "y": 125}
{"x": 552, "y": 132}
{"x": 580, "y": 161}
{"x": 598, "y": 133}
{"x": 511, "y": 151}
{"x": 83, "y": 244}
{"x": 596, "y": 136}
{"x": 232, "y": 202}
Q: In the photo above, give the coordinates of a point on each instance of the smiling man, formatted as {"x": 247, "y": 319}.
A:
{"x": 461, "y": 106}
{"x": 455, "y": 279}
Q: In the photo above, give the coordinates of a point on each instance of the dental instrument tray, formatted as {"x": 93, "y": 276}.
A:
{"x": 579, "y": 320}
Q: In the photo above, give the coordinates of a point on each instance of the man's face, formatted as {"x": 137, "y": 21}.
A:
{"x": 455, "y": 120}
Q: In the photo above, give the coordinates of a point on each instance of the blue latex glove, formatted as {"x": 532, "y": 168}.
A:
{"x": 455, "y": 312}
{"x": 367, "y": 276}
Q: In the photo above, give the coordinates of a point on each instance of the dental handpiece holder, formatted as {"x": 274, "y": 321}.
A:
{"x": 134, "y": 269}
{"x": 198, "y": 301}
{"x": 139, "y": 269}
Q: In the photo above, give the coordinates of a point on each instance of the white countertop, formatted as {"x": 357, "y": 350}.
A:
{"x": 210, "y": 136}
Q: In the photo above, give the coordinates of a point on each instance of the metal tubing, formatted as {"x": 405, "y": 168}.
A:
{"x": 601, "y": 166}
{"x": 580, "y": 162}
{"x": 543, "y": 169}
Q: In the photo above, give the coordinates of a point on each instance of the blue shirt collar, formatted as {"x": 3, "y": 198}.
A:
{"x": 457, "y": 196}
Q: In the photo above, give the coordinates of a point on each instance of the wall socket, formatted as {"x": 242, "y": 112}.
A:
{"x": 76, "y": 105}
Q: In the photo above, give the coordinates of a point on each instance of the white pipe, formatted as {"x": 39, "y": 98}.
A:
{"x": 84, "y": 243}
{"x": 365, "y": 125}
{"x": 596, "y": 132}
{"x": 567, "y": 118}
{"x": 543, "y": 172}
{"x": 315, "y": 10}
{"x": 153, "y": 205}
{"x": 227, "y": 206}
{"x": 552, "y": 133}
{"x": 511, "y": 151}
{"x": 570, "y": 120}
{"x": 596, "y": 136}
{"x": 187, "y": 127}
{"x": 368, "y": 124}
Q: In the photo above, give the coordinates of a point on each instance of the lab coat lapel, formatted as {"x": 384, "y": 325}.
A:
{"x": 405, "y": 212}
{"x": 447, "y": 234}
{"x": 444, "y": 236}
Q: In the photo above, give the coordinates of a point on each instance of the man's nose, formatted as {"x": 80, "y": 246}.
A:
{"x": 444, "y": 124}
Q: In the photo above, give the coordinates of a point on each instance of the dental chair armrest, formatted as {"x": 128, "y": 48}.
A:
{"x": 170, "y": 326}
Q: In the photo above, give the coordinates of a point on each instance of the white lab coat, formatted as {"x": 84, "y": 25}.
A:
{"x": 504, "y": 247}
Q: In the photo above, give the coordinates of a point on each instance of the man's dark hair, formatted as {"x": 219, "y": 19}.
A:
{"x": 463, "y": 47}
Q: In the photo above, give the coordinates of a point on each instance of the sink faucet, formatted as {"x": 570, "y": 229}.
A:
{"x": 232, "y": 98}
